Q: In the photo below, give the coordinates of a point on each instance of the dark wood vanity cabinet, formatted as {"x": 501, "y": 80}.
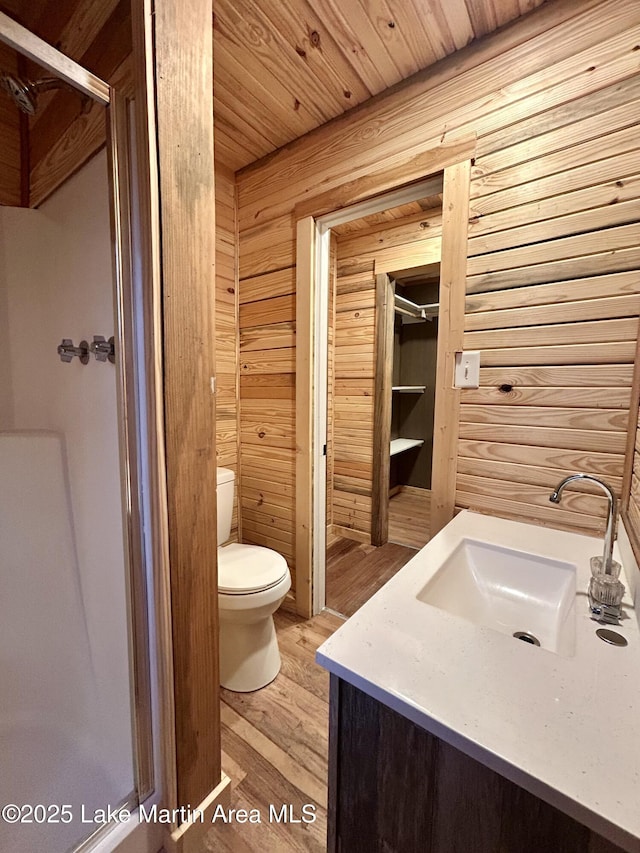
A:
{"x": 395, "y": 788}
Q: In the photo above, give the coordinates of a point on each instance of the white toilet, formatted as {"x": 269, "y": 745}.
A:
{"x": 252, "y": 583}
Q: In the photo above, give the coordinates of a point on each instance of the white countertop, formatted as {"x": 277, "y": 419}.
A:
{"x": 563, "y": 728}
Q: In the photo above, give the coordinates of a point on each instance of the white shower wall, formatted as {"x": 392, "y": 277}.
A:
{"x": 56, "y": 282}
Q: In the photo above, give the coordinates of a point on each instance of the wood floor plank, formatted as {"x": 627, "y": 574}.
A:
{"x": 410, "y": 517}
{"x": 275, "y": 745}
{"x": 274, "y": 740}
{"x": 358, "y": 571}
{"x": 263, "y": 786}
{"x": 279, "y": 758}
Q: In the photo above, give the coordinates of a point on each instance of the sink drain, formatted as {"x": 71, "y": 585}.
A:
{"x": 526, "y": 637}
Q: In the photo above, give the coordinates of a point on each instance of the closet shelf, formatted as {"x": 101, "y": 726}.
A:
{"x": 416, "y": 312}
{"x": 399, "y": 445}
{"x": 409, "y": 389}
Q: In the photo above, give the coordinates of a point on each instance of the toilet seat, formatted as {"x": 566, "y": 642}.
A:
{"x": 247, "y": 569}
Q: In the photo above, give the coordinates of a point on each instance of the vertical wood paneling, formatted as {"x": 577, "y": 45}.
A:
{"x": 549, "y": 208}
{"x": 227, "y": 336}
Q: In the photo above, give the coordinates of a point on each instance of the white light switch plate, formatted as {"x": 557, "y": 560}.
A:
{"x": 467, "y": 370}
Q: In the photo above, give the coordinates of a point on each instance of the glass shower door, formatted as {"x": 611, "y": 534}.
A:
{"x": 65, "y": 680}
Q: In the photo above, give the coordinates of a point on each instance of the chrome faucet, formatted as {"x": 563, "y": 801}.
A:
{"x": 605, "y": 590}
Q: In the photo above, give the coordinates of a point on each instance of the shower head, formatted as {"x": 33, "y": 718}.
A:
{"x": 24, "y": 93}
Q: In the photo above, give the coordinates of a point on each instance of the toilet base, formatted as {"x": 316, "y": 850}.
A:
{"x": 249, "y": 654}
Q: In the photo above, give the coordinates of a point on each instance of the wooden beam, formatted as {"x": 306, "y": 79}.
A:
{"x": 29, "y": 45}
{"x": 455, "y": 218}
{"x": 305, "y": 307}
{"x": 184, "y": 104}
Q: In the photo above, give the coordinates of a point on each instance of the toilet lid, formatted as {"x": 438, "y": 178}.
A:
{"x": 249, "y": 568}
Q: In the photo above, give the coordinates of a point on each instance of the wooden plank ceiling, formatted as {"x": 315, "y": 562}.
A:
{"x": 284, "y": 67}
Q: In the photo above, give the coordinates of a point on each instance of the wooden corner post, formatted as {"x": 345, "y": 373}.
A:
{"x": 176, "y": 42}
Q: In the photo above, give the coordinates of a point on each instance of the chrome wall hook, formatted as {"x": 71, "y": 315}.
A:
{"x": 67, "y": 351}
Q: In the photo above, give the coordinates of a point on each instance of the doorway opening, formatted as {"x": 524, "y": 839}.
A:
{"x": 371, "y": 338}
{"x": 437, "y": 172}
{"x": 381, "y": 336}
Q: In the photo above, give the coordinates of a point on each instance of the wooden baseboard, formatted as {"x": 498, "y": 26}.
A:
{"x": 414, "y": 490}
{"x": 188, "y": 837}
{"x": 409, "y": 490}
{"x": 332, "y": 536}
{"x": 355, "y": 535}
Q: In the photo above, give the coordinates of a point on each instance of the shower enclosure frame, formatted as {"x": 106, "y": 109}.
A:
{"x": 130, "y": 406}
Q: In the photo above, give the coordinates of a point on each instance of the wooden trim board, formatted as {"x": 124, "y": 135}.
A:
{"x": 305, "y": 300}
{"x": 189, "y": 836}
{"x": 419, "y": 166}
{"x": 453, "y": 268}
{"x": 382, "y": 409}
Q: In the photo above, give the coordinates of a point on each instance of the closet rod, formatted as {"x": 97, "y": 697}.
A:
{"x": 409, "y": 308}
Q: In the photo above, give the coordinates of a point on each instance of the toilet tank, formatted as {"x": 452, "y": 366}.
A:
{"x": 225, "y": 489}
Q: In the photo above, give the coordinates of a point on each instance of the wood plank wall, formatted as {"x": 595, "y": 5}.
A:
{"x": 10, "y": 147}
{"x": 382, "y": 247}
{"x": 354, "y": 399}
{"x": 552, "y": 99}
{"x": 227, "y": 391}
{"x": 267, "y": 407}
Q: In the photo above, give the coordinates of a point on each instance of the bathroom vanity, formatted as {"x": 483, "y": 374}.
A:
{"x": 448, "y": 734}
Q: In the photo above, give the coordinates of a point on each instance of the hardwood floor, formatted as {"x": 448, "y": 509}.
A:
{"x": 355, "y": 572}
{"x": 274, "y": 741}
{"x": 274, "y": 746}
{"x": 409, "y": 517}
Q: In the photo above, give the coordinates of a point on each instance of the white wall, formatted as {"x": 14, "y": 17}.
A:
{"x": 56, "y": 282}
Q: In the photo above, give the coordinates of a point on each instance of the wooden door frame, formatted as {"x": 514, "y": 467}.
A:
{"x": 315, "y": 216}
{"x": 385, "y": 291}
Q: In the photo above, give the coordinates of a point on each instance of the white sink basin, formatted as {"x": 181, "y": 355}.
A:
{"x": 508, "y": 590}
